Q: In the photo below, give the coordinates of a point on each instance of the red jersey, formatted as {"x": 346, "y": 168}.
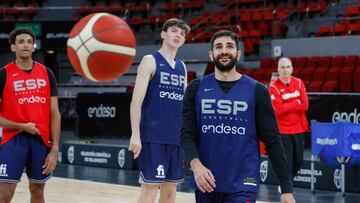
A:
{"x": 290, "y": 102}
{"x": 26, "y": 98}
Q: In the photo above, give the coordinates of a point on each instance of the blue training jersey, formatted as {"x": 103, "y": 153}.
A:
{"x": 228, "y": 143}
{"x": 160, "y": 115}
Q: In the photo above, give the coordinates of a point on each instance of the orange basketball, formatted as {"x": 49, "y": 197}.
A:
{"x": 101, "y": 47}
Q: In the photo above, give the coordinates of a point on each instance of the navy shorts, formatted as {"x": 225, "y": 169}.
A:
{"x": 160, "y": 163}
{"x": 220, "y": 197}
{"x": 23, "y": 151}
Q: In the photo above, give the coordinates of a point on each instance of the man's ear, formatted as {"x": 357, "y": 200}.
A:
{"x": 162, "y": 34}
{"x": 12, "y": 47}
{"x": 211, "y": 56}
{"x": 239, "y": 55}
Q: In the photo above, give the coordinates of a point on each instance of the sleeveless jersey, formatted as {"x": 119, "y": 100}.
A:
{"x": 228, "y": 143}
{"x": 160, "y": 118}
{"x": 26, "y": 98}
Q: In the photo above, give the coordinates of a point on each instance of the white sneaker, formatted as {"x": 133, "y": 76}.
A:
{"x": 279, "y": 189}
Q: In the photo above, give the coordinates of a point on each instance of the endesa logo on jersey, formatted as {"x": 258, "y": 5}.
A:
{"x": 25, "y": 87}
{"x": 32, "y": 100}
{"x": 171, "y": 95}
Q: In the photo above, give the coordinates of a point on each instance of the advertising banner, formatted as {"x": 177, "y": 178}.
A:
{"x": 103, "y": 115}
{"x": 325, "y": 177}
{"x": 334, "y": 107}
{"x": 106, "y": 156}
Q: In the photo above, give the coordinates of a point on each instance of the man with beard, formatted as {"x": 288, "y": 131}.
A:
{"x": 223, "y": 117}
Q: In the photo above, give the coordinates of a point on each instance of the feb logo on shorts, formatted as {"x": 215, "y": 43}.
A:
{"x": 160, "y": 171}
{"x": 3, "y": 170}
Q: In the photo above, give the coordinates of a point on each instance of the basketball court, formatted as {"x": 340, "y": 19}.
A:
{"x": 82, "y": 184}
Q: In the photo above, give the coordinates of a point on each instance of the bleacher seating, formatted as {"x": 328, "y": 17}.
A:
{"x": 321, "y": 74}
{"x": 19, "y": 10}
{"x": 348, "y": 24}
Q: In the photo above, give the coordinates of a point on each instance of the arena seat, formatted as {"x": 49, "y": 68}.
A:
{"x": 320, "y": 74}
{"x": 329, "y": 86}
{"x": 314, "y": 86}
{"x": 337, "y": 61}
{"x": 351, "y": 61}
{"x": 345, "y": 78}
{"x": 356, "y": 81}
{"x": 333, "y": 74}
{"x": 266, "y": 63}
{"x": 325, "y": 61}
{"x": 300, "y": 62}
{"x": 324, "y": 31}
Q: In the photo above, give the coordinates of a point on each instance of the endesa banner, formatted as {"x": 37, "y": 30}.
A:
{"x": 103, "y": 115}
{"x": 334, "y": 107}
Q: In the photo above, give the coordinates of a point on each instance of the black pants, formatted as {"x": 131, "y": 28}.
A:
{"x": 294, "y": 149}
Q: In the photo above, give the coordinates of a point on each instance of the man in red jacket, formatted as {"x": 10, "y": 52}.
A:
{"x": 30, "y": 118}
{"x": 290, "y": 102}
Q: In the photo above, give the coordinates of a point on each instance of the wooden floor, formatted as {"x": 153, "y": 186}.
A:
{"x": 62, "y": 190}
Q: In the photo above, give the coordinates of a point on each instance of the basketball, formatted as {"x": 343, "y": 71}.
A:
{"x": 101, "y": 47}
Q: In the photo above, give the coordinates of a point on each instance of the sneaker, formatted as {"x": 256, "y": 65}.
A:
{"x": 279, "y": 189}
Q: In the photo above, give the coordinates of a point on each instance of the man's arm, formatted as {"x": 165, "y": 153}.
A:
{"x": 145, "y": 71}
{"x": 27, "y": 127}
{"x": 189, "y": 134}
{"x": 279, "y": 106}
{"x": 55, "y": 122}
{"x": 268, "y": 131}
{"x": 303, "y": 96}
{"x": 204, "y": 179}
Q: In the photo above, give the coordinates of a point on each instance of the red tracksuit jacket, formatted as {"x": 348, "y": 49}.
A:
{"x": 290, "y": 102}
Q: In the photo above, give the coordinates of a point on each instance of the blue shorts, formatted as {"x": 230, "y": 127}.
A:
{"x": 23, "y": 151}
{"x": 220, "y": 197}
{"x": 160, "y": 163}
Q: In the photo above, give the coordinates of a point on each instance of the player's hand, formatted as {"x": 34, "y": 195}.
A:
{"x": 287, "y": 198}
{"x": 30, "y": 128}
{"x": 50, "y": 161}
{"x": 204, "y": 178}
{"x": 135, "y": 145}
